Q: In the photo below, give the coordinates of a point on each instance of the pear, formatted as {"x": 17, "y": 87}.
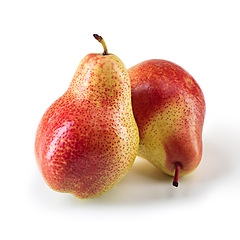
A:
{"x": 87, "y": 140}
{"x": 169, "y": 109}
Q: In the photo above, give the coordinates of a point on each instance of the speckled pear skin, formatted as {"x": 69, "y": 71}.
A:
{"x": 88, "y": 139}
{"x": 169, "y": 109}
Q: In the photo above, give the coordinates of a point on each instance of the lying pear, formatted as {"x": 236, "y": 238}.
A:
{"x": 169, "y": 109}
{"x": 88, "y": 139}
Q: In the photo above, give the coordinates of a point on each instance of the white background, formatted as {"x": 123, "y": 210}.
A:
{"x": 42, "y": 43}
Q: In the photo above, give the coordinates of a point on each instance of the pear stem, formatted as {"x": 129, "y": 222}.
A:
{"x": 100, "y": 39}
{"x": 176, "y": 176}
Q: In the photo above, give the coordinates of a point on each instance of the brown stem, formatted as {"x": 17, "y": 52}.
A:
{"x": 100, "y": 39}
{"x": 176, "y": 176}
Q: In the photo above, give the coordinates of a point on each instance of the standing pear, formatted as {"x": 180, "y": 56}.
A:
{"x": 88, "y": 139}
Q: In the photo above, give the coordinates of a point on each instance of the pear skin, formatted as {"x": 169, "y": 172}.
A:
{"x": 88, "y": 139}
{"x": 169, "y": 109}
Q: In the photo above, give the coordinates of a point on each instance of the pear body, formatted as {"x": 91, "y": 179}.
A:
{"x": 169, "y": 109}
{"x": 88, "y": 139}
